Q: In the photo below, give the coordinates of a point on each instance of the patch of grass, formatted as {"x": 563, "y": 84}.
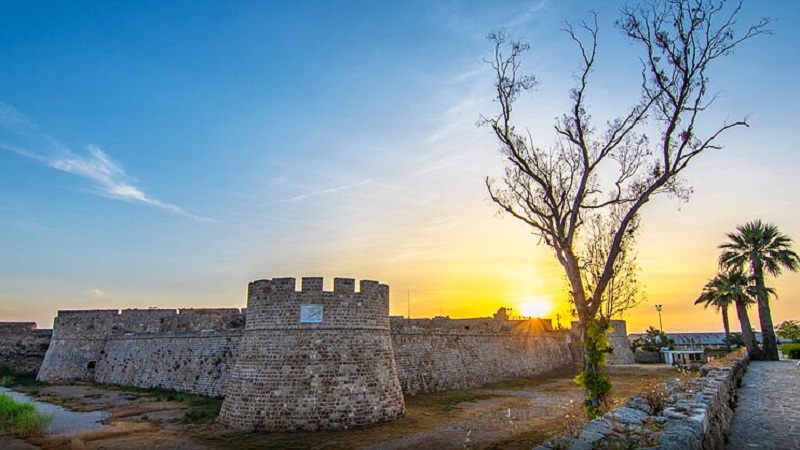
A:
{"x": 21, "y": 419}
{"x": 203, "y": 410}
{"x": 158, "y": 394}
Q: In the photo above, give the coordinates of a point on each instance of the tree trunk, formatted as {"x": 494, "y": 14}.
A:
{"x": 768, "y": 341}
{"x": 727, "y": 327}
{"x": 747, "y": 331}
{"x": 595, "y": 383}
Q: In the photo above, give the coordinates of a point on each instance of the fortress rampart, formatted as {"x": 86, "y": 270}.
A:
{"x": 312, "y": 359}
{"x": 186, "y": 350}
{"x": 302, "y": 359}
{"x": 22, "y": 346}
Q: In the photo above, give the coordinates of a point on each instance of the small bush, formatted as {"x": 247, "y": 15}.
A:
{"x": 792, "y": 351}
{"x": 21, "y": 419}
{"x": 203, "y": 410}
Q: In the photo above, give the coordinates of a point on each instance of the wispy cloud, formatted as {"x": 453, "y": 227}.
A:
{"x": 108, "y": 176}
{"x": 98, "y": 293}
{"x": 456, "y": 135}
{"x": 301, "y": 197}
{"x": 531, "y": 13}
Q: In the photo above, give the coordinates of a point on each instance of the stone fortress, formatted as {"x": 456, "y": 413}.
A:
{"x": 294, "y": 359}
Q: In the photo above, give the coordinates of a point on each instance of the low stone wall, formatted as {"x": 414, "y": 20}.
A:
{"x": 196, "y": 362}
{"x": 434, "y": 362}
{"x": 641, "y": 357}
{"x": 22, "y": 346}
{"x": 694, "y": 417}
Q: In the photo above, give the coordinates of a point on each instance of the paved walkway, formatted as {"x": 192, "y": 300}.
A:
{"x": 767, "y": 414}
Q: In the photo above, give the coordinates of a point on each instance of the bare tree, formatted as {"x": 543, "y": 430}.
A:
{"x": 623, "y": 291}
{"x": 605, "y": 174}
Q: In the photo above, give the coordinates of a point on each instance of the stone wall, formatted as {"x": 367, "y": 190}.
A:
{"x": 181, "y": 361}
{"x": 187, "y": 350}
{"x": 621, "y": 348}
{"x": 79, "y": 340}
{"x": 312, "y": 359}
{"x": 307, "y": 359}
{"x": 440, "y": 354}
{"x": 643, "y": 357}
{"x": 695, "y": 416}
{"x": 193, "y": 350}
{"x": 22, "y": 346}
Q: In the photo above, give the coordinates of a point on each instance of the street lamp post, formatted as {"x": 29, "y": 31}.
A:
{"x": 660, "y": 324}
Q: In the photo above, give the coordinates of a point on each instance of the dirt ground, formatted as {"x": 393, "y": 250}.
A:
{"x": 515, "y": 414}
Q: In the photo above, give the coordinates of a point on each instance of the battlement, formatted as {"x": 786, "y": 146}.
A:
{"x": 312, "y": 359}
{"x": 277, "y": 304}
{"x": 314, "y": 284}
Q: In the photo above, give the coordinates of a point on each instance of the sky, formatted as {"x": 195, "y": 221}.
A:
{"x": 164, "y": 154}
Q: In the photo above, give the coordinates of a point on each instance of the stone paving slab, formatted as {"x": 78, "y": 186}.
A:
{"x": 767, "y": 414}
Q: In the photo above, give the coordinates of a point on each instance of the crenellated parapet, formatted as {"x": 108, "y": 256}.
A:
{"x": 311, "y": 359}
{"x": 278, "y": 304}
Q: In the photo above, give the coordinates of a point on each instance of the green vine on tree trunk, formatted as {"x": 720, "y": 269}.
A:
{"x": 594, "y": 382}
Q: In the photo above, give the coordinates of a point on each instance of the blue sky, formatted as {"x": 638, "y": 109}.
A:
{"x": 166, "y": 153}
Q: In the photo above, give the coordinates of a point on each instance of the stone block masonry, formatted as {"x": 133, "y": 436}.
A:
{"x": 696, "y": 416}
{"x": 187, "y": 350}
{"x": 23, "y": 346}
{"x": 301, "y": 359}
{"x": 313, "y": 360}
{"x": 442, "y": 354}
{"x": 180, "y": 361}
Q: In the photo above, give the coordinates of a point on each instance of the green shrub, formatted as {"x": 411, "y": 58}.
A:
{"x": 21, "y": 419}
{"x": 203, "y": 410}
{"x": 792, "y": 351}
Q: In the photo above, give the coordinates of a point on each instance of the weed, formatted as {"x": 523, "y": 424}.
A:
{"x": 656, "y": 396}
{"x": 205, "y": 411}
{"x": 21, "y": 419}
{"x": 116, "y": 429}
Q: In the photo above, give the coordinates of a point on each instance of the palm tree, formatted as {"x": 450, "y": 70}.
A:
{"x": 760, "y": 247}
{"x": 732, "y": 288}
{"x": 713, "y": 295}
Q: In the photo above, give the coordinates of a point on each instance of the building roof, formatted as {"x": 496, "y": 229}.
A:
{"x": 681, "y": 339}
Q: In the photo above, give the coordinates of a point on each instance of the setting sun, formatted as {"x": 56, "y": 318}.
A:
{"x": 535, "y": 307}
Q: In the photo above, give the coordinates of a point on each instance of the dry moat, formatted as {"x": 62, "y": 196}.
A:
{"x": 516, "y": 414}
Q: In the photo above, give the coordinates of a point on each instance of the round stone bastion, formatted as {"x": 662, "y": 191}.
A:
{"x": 313, "y": 360}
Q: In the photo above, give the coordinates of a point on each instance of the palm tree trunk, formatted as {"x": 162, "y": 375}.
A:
{"x": 747, "y": 331}
{"x": 769, "y": 343}
{"x": 727, "y": 327}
